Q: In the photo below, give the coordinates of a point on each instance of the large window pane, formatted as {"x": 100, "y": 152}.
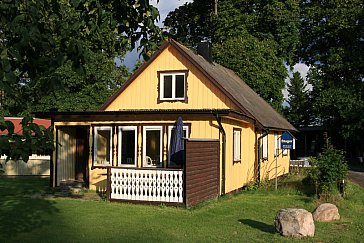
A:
{"x": 127, "y": 146}
{"x": 153, "y": 140}
{"x": 102, "y": 146}
{"x": 152, "y": 146}
{"x": 172, "y": 86}
{"x": 237, "y": 145}
{"x": 265, "y": 147}
{"x": 180, "y": 86}
{"x": 167, "y": 89}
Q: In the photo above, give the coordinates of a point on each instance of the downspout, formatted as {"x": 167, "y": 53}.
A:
{"x": 223, "y": 152}
{"x": 265, "y": 133}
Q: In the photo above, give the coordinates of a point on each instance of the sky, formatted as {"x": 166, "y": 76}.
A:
{"x": 303, "y": 70}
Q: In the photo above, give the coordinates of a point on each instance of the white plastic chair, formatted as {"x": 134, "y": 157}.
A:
{"x": 148, "y": 160}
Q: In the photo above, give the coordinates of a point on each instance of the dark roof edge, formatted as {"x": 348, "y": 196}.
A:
{"x": 133, "y": 76}
{"x": 282, "y": 130}
{"x": 133, "y": 112}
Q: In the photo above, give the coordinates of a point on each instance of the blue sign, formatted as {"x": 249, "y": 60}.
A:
{"x": 287, "y": 141}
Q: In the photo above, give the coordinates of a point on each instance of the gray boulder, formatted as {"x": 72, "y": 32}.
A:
{"x": 326, "y": 212}
{"x": 294, "y": 222}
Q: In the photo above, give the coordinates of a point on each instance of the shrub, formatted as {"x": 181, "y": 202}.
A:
{"x": 328, "y": 170}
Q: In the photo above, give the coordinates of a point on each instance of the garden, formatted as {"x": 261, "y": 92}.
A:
{"x": 29, "y": 212}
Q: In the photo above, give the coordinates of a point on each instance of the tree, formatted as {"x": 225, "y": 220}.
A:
{"x": 192, "y": 22}
{"x": 298, "y": 112}
{"x": 74, "y": 91}
{"x": 256, "y": 63}
{"x": 39, "y": 38}
{"x": 253, "y": 38}
{"x": 332, "y": 43}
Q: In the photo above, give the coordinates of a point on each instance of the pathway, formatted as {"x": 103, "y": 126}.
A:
{"x": 357, "y": 177}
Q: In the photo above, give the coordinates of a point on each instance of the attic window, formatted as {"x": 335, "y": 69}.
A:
{"x": 172, "y": 86}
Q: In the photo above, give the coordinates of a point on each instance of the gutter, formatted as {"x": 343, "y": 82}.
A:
{"x": 265, "y": 133}
{"x": 223, "y": 152}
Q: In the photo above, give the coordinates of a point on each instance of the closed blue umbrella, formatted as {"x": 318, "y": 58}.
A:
{"x": 177, "y": 148}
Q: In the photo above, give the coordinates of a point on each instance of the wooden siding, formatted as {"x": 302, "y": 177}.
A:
{"x": 202, "y": 171}
{"x": 142, "y": 93}
{"x": 268, "y": 167}
{"x": 238, "y": 174}
{"x": 66, "y": 154}
{"x": 39, "y": 167}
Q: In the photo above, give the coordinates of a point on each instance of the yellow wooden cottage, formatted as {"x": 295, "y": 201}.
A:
{"x": 231, "y": 134}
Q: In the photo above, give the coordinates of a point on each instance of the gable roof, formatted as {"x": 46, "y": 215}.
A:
{"x": 18, "y": 128}
{"x": 250, "y": 103}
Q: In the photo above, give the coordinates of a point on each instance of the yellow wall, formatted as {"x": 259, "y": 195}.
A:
{"x": 238, "y": 174}
{"x": 268, "y": 167}
{"x": 142, "y": 93}
{"x": 199, "y": 128}
{"x": 38, "y": 167}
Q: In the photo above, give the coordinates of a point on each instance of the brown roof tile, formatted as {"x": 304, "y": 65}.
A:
{"x": 245, "y": 97}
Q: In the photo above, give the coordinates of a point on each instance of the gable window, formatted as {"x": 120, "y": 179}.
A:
{"x": 237, "y": 145}
{"x": 172, "y": 86}
{"x": 102, "y": 146}
{"x": 265, "y": 148}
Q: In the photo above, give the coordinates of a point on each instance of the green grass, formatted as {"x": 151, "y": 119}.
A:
{"x": 245, "y": 217}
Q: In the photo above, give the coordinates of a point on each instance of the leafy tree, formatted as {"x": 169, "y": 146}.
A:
{"x": 332, "y": 42}
{"x": 328, "y": 170}
{"x": 37, "y": 37}
{"x": 298, "y": 112}
{"x": 74, "y": 91}
{"x": 41, "y": 39}
{"x": 253, "y": 38}
{"x": 256, "y": 63}
{"x": 34, "y": 139}
{"x": 192, "y": 22}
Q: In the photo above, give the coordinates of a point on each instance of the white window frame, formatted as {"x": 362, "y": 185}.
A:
{"x": 102, "y": 128}
{"x": 127, "y": 128}
{"x": 265, "y": 147}
{"x": 185, "y": 128}
{"x": 152, "y": 128}
{"x": 237, "y": 145}
{"x": 173, "y": 74}
{"x": 276, "y": 144}
{"x": 285, "y": 152}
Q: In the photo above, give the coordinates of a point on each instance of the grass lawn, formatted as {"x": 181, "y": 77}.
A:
{"x": 245, "y": 217}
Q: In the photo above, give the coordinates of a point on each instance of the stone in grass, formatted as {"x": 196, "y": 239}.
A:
{"x": 294, "y": 222}
{"x": 76, "y": 191}
{"x": 326, "y": 212}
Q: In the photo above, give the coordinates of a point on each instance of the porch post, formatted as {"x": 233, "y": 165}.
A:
{"x": 139, "y": 145}
{"x": 115, "y": 144}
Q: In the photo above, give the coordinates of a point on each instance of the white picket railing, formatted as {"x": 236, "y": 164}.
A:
{"x": 146, "y": 185}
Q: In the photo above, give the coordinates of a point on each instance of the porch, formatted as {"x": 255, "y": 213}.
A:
{"x": 138, "y": 184}
{"x": 198, "y": 181}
